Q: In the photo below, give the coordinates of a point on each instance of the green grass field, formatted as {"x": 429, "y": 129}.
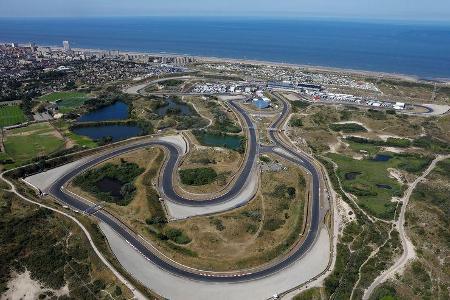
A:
{"x": 11, "y": 115}
{"x": 369, "y": 148}
{"x": 24, "y": 144}
{"x": 371, "y": 182}
{"x": 68, "y": 100}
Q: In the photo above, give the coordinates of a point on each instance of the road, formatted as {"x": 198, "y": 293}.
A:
{"x": 58, "y": 191}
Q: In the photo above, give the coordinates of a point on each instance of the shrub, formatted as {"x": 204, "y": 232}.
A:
{"x": 348, "y": 127}
{"x": 273, "y": 224}
{"x": 296, "y": 122}
{"x": 177, "y": 235}
{"x": 218, "y": 223}
{"x": 284, "y": 192}
{"x": 198, "y": 176}
{"x": 264, "y": 159}
{"x": 255, "y": 215}
{"x": 155, "y": 220}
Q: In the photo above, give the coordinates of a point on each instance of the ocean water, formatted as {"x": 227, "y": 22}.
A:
{"x": 422, "y": 50}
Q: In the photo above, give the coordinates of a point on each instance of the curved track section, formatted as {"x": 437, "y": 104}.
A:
{"x": 57, "y": 190}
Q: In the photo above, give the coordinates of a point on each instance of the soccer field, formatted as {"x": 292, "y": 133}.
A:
{"x": 68, "y": 100}
{"x": 11, "y": 115}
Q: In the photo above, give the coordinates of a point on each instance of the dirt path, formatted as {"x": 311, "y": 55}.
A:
{"x": 409, "y": 251}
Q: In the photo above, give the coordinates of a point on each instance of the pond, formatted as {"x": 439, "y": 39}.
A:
{"x": 382, "y": 157}
{"x": 173, "y": 107}
{"x": 116, "y": 111}
{"x": 219, "y": 140}
{"x": 351, "y": 175}
{"x": 116, "y": 132}
{"x": 384, "y": 186}
{"x": 111, "y": 186}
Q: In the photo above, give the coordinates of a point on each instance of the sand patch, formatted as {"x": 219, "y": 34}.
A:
{"x": 22, "y": 286}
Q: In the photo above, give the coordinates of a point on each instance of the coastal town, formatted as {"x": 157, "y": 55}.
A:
{"x": 29, "y": 71}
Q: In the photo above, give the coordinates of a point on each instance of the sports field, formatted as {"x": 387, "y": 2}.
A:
{"x": 11, "y": 115}
{"x": 24, "y": 144}
{"x": 67, "y": 101}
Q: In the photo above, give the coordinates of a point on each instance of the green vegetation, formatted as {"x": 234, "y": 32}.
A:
{"x": 158, "y": 216}
{"x": 198, "y": 176}
{"x": 432, "y": 144}
{"x": 67, "y": 101}
{"x": 172, "y": 82}
{"x": 373, "y": 186}
{"x": 11, "y": 115}
{"x": 385, "y": 291}
{"x": 176, "y": 235}
{"x": 428, "y": 225}
{"x": 376, "y": 114}
{"x": 265, "y": 159}
{"x": 180, "y": 115}
{"x": 436, "y": 195}
{"x": 299, "y": 105}
{"x": 157, "y": 222}
{"x": 80, "y": 140}
{"x": 348, "y": 127}
{"x": 296, "y": 122}
{"x": 284, "y": 192}
{"x": 358, "y": 240}
{"x": 217, "y": 223}
{"x": 27, "y": 143}
{"x": 111, "y": 182}
{"x": 53, "y": 250}
{"x": 310, "y": 294}
{"x": 222, "y": 122}
{"x": 390, "y": 142}
{"x": 219, "y": 139}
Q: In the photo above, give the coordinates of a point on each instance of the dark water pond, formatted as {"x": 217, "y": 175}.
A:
{"x": 382, "y": 157}
{"x": 384, "y": 186}
{"x": 116, "y": 111}
{"x": 116, "y": 132}
{"x": 111, "y": 186}
{"x": 352, "y": 175}
{"x": 177, "y": 108}
{"x": 219, "y": 140}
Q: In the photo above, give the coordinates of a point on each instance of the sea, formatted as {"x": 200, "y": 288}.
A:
{"x": 418, "y": 49}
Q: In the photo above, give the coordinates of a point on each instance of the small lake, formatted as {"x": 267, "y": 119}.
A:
{"x": 219, "y": 140}
{"x": 111, "y": 186}
{"x": 116, "y": 132}
{"x": 382, "y": 157}
{"x": 173, "y": 107}
{"x": 384, "y": 186}
{"x": 116, "y": 111}
{"x": 351, "y": 175}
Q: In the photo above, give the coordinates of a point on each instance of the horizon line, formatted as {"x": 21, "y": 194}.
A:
{"x": 266, "y": 17}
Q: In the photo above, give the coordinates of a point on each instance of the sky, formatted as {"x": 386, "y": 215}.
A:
{"x": 431, "y": 10}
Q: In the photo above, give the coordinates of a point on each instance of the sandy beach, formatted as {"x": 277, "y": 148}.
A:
{"x": 310, "y": 68}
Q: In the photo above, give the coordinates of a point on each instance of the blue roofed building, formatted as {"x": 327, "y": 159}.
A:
{"x": 261, "y": 103}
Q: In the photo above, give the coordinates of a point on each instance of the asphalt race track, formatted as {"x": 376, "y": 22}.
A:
{"x": 57, "y": 190}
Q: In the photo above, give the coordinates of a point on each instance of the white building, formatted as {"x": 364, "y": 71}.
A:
{"x": 66, "y": 46}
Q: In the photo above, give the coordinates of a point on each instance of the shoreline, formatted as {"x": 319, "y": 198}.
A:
{"x": 313, "y": 68}
{"x": 318, "y": 68}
